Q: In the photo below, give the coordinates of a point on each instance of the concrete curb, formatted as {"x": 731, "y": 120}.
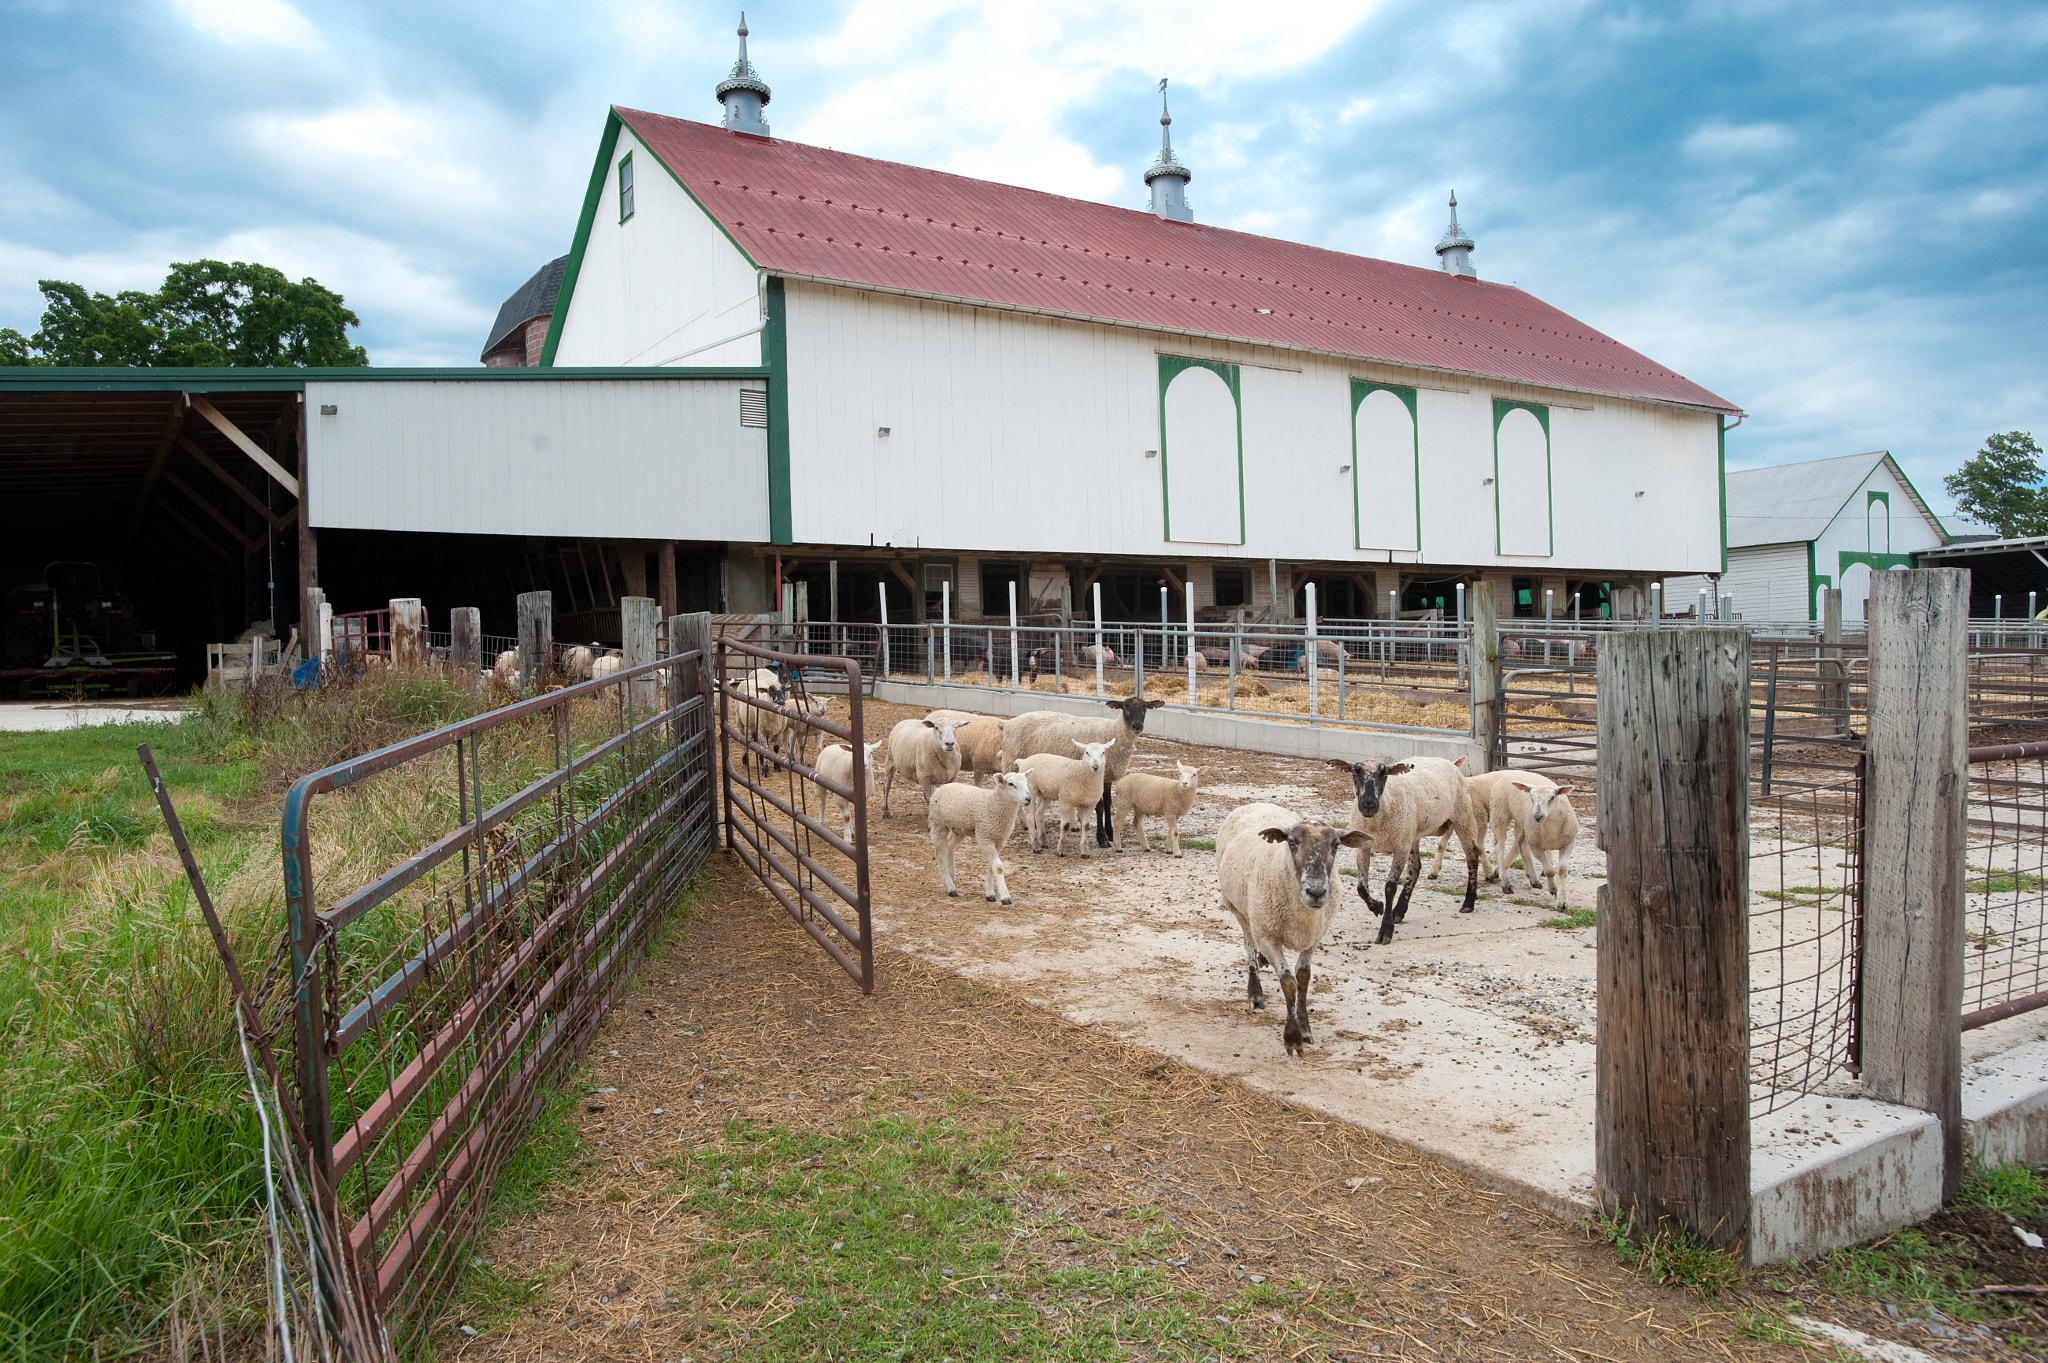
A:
{"x": 2005, "y": 1106}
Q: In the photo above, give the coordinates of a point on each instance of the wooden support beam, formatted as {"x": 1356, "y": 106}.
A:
{"x": 234, "y": 484}
{"x": 1173, "y": 580}
{"x": 194, "y": 531}
{"x": 245, "y": 444}
{"x": 173, "y": 426}
{"x": 213, "y": 512}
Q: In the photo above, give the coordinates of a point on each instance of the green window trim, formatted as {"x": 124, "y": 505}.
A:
{"x": 1170, "y": 367}
{"x": 1361, "y": 389}
{"x": 625, "y": 187}
{"x": 1877, "y": 563}
{"x": 1501, "y": 408}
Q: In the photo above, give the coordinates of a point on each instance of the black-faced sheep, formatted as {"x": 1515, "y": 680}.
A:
{"x": 1276, "y": 881}
{"x": 1038, "y": 731}
{"x": 1399, "y": 806}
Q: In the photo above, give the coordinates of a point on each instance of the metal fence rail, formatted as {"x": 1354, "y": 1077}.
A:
{"x": 2005, "y": 960}
{"x": 437, "y": 1000}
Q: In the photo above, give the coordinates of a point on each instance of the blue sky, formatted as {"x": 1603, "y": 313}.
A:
{"x": 1830, "y": 214}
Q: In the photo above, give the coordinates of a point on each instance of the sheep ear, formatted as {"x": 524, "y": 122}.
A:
{"x": 1564, "y": 790}
{"x": 1399, "y": 768}
{"x": 1341, "y": 764}
{"x": 1353, "y": 839}
{"x": 1079, "y": 744}
{"x": 1458, "y": 762}
{"x": 1114, "y": 704}
{"x": 1154, "y": 704}
{"x": 1273, "y": 834}
{"x": 1521, "y": 785}
{"x": 929, "y": 725}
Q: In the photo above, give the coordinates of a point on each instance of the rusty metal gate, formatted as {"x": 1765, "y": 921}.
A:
{"x": 770, "y": 709}
{"x": 436, "y": 1001}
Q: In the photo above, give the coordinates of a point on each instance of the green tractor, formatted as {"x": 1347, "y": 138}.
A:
{"x": 64, "y": 637}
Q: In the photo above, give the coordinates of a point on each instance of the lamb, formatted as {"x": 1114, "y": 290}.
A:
{"x": 1049, "y": 731}
{"x": 1164, "y": 797}
{"x": 958, "y": 812}
{"x": 981, "y": 741}
{"x": 1398, "y": 814}
{"x": 835, "y": 764}
{"x": 1276, "y": 881}
{"x": 927, "y": 751}
{"x": 1063, "y": 786}
{"x": 505, "y": 671}
{"x": 1544, "y": 827}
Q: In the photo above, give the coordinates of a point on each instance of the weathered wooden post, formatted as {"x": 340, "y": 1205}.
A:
{"x": 1834, "y": 696}
{"x": 691, "y": 633}
{"x": 637, "y": 620}
{"x": 1671, "y": 1096}
{"x": 408, "y": 633}
{"x": 466, "y": 643}
{"x": 313, "y": 636}
{"x": 1915, "y": 798}
{"x": 1485, "y": 673}
{"x": 536, "y": 640}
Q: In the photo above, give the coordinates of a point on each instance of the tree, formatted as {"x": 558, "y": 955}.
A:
{"x": 208, "y": 314}
{"x": 2000, "y": 486}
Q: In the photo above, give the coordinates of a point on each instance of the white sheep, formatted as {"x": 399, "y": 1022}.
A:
{"x": 1537, "y": 814}
{"x": 1399, "y": 806}
{"x": 958, "y": 812}
{"x": 981, "y": 741}
{"x": 1062, "y": 787}
{"x": 835, "y": 763}
{"x": 1050, "y": 731}
{"x": 577, "y": 661}
{"x": 1162, "y": 797}
{"x": 1276, "y": 881}
{"x": 606, "y": 666}
{"x": 926, "y": 751}
{"x": 505, "y": 671}
{"x": 1245, "y": 817}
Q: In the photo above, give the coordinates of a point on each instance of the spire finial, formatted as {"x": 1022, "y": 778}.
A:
{"x": 743, "y": 93}
{"x": 1454, "y": 250}
{"x": 1168, "y": 178}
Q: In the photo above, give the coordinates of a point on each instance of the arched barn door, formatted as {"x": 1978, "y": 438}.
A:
{"x": 1201, "y": 451}
{"x": 1521, "y": 472}
{"x": 1386, "y": 504}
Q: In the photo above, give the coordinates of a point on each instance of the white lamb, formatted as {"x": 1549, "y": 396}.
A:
{"x": 1064, "y": 787}
{"x": 1050, "y": 731}
{"x": 1276, "y": 881}
{"x": 1399, "y": 806}
{"x": 835, "y": 763}
{"x": 958, "y": 812}
{"x": 1162, "y": 797}
{"x": 926, "y": 751}
{"x": 606, "y": 666}
{"x": 1538, "y": 815}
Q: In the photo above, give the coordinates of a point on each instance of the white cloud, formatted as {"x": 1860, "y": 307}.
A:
{"x": 1727, "y": 141}
{"x": 270, "y": 23}
{"x": 1356, "y": 109}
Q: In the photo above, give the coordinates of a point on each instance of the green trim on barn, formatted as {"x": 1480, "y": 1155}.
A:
{"x": 626, "y": 187}
{"x": 84, "y": 379}
{"x": 775, "y": 355}
{"x": 1501, "y": 408}
{"x": 1361, "y": 389}
{"x": 1170, "y": 366}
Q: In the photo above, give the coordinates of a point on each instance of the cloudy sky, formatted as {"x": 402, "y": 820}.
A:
{"x": 1831, "y": 214}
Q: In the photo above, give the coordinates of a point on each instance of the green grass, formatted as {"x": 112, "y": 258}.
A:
{"x": 2003, "y": 882}
{"x": 1905, "y": 1267}
{"x": 1204, "y": 844}
{"x": 1571, "y": 918}
{"x": 903, "y": 1239}
{"x": 2014, "y": 1190}
{"x": 1671, "y": 1255}
{"x": 1832, "y": 898}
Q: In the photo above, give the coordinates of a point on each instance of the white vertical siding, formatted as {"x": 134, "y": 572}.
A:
{"x": 1522, "y": 490}
{"x": 639, "y": 458}
{"x": 1768, "y": 582}
{"x": 1201, "y": 457}
{"x": 1383, "y": 481}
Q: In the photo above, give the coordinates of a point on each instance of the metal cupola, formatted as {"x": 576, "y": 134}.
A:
{"x": 1168, "y": 178}
{"x": 743, "y": 93}
{"x": 1455, "y": 250}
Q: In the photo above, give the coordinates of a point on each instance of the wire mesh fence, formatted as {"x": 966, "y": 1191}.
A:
{"x": 2005, "y": 958}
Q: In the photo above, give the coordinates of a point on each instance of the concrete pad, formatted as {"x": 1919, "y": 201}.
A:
{"x": 2005, "y": 1106}
{"x": 26, "y": 717}
{"x": 1827, "y": 1172}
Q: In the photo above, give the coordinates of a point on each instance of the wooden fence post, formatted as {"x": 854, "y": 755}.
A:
{"x": 536, "y": 640}
{"x": 1485, "y": 678}
{"x": 408, "y": 633}
{"x": 1834, "y": 689}
{"x": 466, "y": 643}
{"x": 1671, "y": 1096}
{"x": 636, "y": 636}
{"x": 1915, "y": 798}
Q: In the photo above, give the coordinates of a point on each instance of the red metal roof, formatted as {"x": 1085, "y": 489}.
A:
{"x": 808, "y": 212}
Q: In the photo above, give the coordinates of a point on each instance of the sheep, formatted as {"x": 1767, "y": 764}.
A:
{"x": 1037, "y": 731}
{"x": 958, "y": 812}
{"x": 1166, "y": 797}
{"x": 576, "y": 661}
{"x": 606, "y": 666}
{"x": 1538, "y": 815}
{"x": 927, "y": 751}
{"x": 505, "y": 671}
{"x": 981, "y": 741}
{"x": 1398, "y": 815}
{"x": 1063, "y": 786}
{"x": 1276, "y": 881}
{"x": 835, "y": 763}
{"x": 1485, "y": 790}
{"x": 1255, "y": 814}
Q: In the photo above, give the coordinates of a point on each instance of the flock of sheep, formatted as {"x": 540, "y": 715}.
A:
{"x": 1275, "y": 868}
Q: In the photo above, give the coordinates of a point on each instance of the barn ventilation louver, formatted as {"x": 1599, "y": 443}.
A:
{"x": 754, "y": 407}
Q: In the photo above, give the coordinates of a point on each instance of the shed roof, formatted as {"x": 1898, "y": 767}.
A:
{"x": 1794, "y": 503}
{"x": 534, "y": 298}
{"x": 808, "y": 213}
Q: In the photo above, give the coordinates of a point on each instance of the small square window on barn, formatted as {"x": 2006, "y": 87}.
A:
{"x": 626, "y": 187}
{"x": 754, "y": 407}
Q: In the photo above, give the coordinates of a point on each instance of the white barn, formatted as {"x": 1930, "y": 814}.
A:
{"x": 1795, "y": 529}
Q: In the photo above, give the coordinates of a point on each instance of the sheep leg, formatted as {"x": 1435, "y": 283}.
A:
{"x": 1363, "y": 865}
{"x": 1254, "y": 990}
{"x": 1437, "y": 866}
{"x": 888, "y": 784}
{"x": 1413, "y": 867}
{"x": 1105, "y": 812}
{"x": 1471, "y": 845}
{"x": 1291, "y": 1033}
{"x": 942, "y": 852}
{"x": 1301, "y": 977}
{"x": 993, "y": 883}
{"x": 1173, "y": 833}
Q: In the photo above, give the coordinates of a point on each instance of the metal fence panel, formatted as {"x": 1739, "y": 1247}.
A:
{"x": 2005, "y": 959}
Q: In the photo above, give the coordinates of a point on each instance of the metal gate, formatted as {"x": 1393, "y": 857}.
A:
{"x": 435, "y": 1004}
{"x": 770, "y": 709}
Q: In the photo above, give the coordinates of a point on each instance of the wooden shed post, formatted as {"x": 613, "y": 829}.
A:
{"x": 1485, "y": 666}
{"x": 637, "y": 620}
{"x": 309, "y": 542}
{"x": 408, "y": 633}
{"x": 1834, "y": 691}
{"x": 1671, "y": 1094}
{"x": 1915, "y": 798}
{"x": 466, "y": 643}
{"x": 536, "y": 640}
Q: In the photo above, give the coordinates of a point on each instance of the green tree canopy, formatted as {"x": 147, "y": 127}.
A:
{"x": 2000, "y": 486}
{"x": 208, "y": 314}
